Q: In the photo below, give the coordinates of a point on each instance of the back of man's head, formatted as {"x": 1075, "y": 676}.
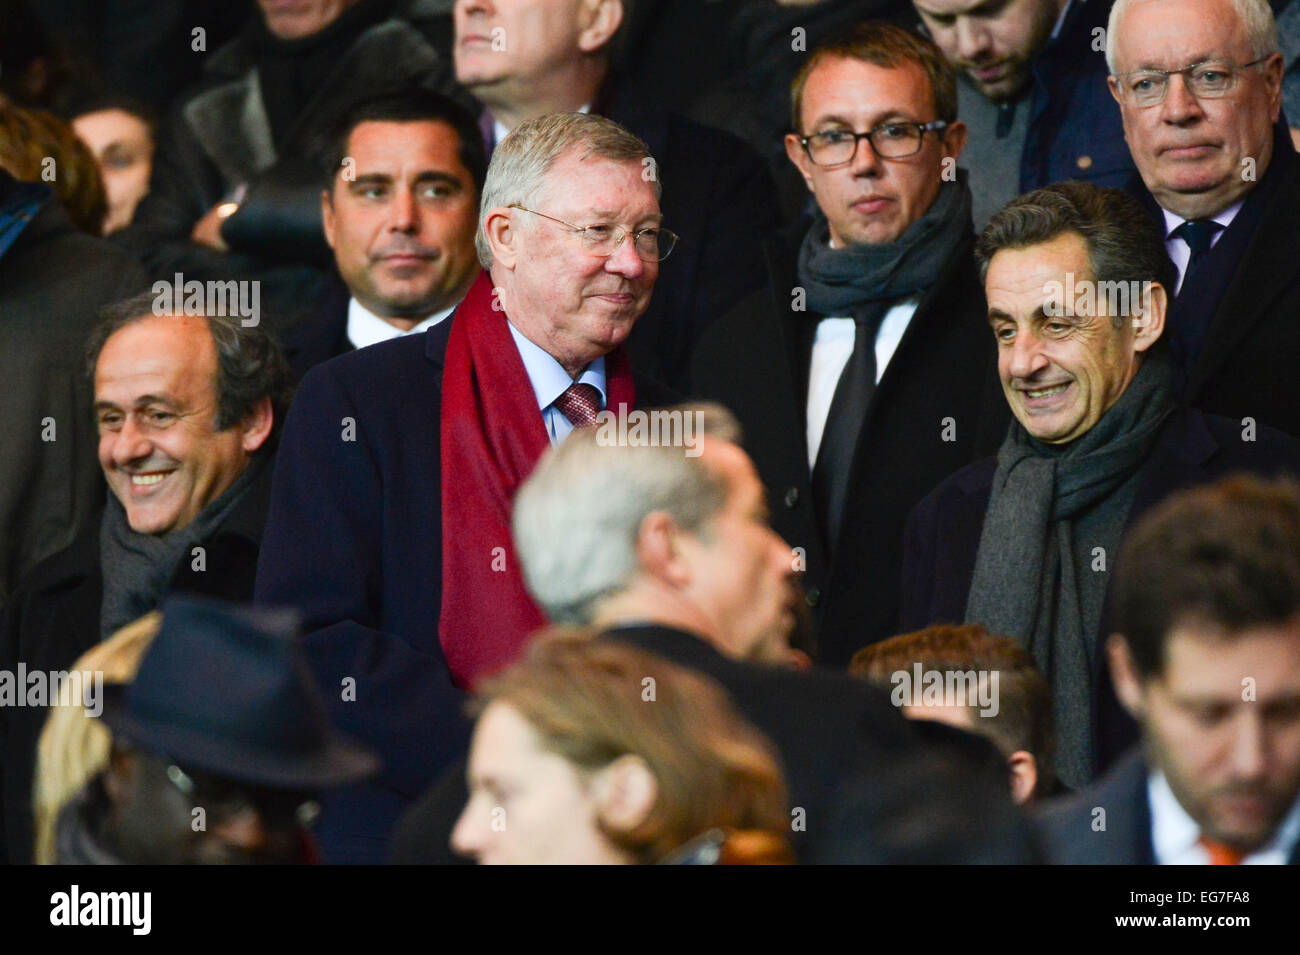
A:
{"x": 577, "y": 517}
{"x": 1020, "y": 719}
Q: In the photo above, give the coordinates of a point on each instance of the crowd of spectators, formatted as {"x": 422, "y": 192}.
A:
{"x": 644, "y": 432}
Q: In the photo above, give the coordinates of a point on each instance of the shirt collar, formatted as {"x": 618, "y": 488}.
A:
{"x": 1174, "y": 832}
{"x": 367, "y": 328}
{"x": 1224, "y": 218}
{"x": 548, "y": 377}
{"x": 499, "y": 132}
{"x": 1060, "y": 21}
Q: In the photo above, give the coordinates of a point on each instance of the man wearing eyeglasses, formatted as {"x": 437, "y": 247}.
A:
{"x": 1199, "y": 83}
{"x": 1031, "y": 87}
{"x": 861, "y": 375}
{"x": 389, "y": 522}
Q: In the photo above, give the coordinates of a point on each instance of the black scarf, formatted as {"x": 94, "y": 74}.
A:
{"x": 137, "y": 568}
{"x": 291, "y": 72}
{"x": 843, "y": 281}
{"x": 1035, "y": 573}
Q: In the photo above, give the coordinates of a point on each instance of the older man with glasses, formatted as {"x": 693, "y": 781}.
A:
{"x": 389, "y": 524}
{"x": 1199, "y": 83}
{"x": 861, "y": 374}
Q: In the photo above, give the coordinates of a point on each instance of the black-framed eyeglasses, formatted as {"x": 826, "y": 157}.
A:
{"x": 835, "y": 147}
{"x": 651, "y": 245}
{"x": 226, "y": 799}
{"x": 1208, "y": 79}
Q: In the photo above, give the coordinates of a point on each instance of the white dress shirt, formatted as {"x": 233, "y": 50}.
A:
{"x": 499, "y": 132}
{"x": 367, "y": 328}
{"x": 831, "y": 351}
{"x": 550, "y": 380}
{"x": 1178, "y": 248}
{"x": 1175, "y": 835}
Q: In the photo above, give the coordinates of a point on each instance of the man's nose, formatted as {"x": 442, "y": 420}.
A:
{"x": 130, "y": 443}
{"x": 1249, "y": 758}
{"x": 865, "y": 161}
{"x": 404, "y": 214}
{"x": 972, "y": 39}
{"x": 467, "y": 836}
{"x": 245, "y": 830}
{"x": 625, "y": 260}
{"x": 1027, "y": 357}
{"x": 1179, "y": 106}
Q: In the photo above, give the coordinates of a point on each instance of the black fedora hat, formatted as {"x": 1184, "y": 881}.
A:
{"x": 226, "y": 689}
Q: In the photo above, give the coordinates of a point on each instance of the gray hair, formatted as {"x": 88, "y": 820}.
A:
{"x": 577, "y": 517}
{"x": 1256, "y": 16}
{"x": 250, "y": 365}
{"x": 520, "y": 162}
{"x": 1124, "y": 243}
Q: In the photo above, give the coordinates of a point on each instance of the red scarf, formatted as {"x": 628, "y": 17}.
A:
{"x": 492, "y": 435}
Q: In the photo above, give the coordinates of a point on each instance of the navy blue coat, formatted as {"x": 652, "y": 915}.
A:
{"x": 942, "y": 536}
{"x": 1076, "y": 130}
{"x": 354, "y": 542}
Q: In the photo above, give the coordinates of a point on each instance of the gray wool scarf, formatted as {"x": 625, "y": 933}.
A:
{"x": 1050, "y": 508}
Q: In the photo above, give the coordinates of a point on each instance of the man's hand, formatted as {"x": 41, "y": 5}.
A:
{"x": 207, "y": 231}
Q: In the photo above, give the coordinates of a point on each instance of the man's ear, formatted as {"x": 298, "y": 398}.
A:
{"x": 1124, "y": 675}
{"x": 795, "y": 152}
{"x": 658, "y": 550}
{"x": 601, "y": 20}
{"x": 327, "y": 216}
{"x": 1148, "y": 328}
{"x": 1113, "y": 83}
{"x": 256, "y": 427}
{"x": 1024, "y": 776}
{"x": 625, "y": 792}
{"x": 502, "y": 233}
{"x": 1273, "y": 68}
{"x": 955, "y": 138}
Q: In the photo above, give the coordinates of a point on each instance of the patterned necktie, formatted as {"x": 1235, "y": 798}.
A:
{"x": 1221, "y": 854}
{"x": 580, "y": 403}
{"x": 1199, "y": 235}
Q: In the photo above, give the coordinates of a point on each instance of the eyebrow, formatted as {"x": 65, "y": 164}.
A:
{"x": 997, "y": 315}
{"x": 656, "y": 217}
{"x": 879, "y": 119}
{"x": 978, "y": 7}
{"x": 383, "y": 178}
{"x": 1195, "y": 60}
{"x": 140, "y": 402}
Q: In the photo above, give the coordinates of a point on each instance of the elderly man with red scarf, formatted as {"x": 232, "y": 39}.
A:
{"x": 389, "y": 522}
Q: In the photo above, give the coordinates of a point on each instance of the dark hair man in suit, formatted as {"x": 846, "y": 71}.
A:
{"x": 1016, "y": 715}
{"x": 1076, "y": 280}
{"x": 1032, "y": 91}
{"x": 389, "y": 522}
{"x": 399, "y": 210}
{"x": 526, "y": 58}
{"x": 188, "y": 409}
{"x": 1199, "y": 83}
{"x": 863, "y": 374}
{"x": 1206, "y": 656}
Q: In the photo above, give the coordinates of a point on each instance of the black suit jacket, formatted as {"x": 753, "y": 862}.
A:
{"x": 320, "y": 336}
{"x": 354, "y": 542}
{"x": 755, "y": 361}
{"x": 1067, "y": 825}
{"x": 53, "y": 619}
{"x": 1244, "y": 303}
{"x": 943, "y": 534}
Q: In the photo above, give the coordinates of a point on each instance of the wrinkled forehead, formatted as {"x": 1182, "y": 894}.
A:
{"x": 1172, "y": 34}
{"x": 580, "y": 181}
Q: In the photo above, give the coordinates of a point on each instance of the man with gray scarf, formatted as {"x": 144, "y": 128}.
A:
{"x": 187, "y": 407}
{"x": 1076, "y": 280}
{"x": 863, "y": 375}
